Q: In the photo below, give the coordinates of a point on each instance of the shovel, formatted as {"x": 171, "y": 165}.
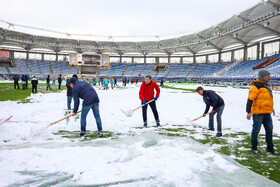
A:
{"x": 192, "y": 121}
{"x": 129, "y": 112}
{"x": 64, "y": 118}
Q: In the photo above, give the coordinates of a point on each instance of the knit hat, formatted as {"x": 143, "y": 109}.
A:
{"x": 72, "y": 80}
{"x": 263, "y": 73}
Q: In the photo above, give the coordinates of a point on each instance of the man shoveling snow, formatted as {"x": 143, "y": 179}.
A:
{"x": 91, "y": 101}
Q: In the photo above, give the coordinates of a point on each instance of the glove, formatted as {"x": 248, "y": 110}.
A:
{"x": 213, "y": 111}
{"x": 144, "y": 101}
{"x": 155, "y": 98}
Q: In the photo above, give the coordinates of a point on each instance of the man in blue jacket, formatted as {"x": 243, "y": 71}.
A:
{"x": 91, "y": 101}
{"x": 212, "y": 99}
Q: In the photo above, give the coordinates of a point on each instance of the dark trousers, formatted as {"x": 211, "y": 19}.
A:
{"x": 16, "y": 86}
{"x": 34, "y": 89}
{"x": 258, "y": 120}
{"x": 23, "y": 86}
{"x": 59, "y": 86}
{"x": 154, "y": 109}
{"x": 26, "y": 85}
{"x": 219, "y": 112}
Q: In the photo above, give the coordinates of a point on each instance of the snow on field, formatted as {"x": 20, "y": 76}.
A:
{"x": 31, "y": 154}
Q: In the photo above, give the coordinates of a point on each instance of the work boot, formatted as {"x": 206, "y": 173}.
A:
{"x": 83, "y": 133}
{"x": 99, "y": 134}
{"x": 219, "y": 134}
{"x": 255, "y": 150}
{"x": 145, "y": 124}
{"x": 158, "y": 124}
{"x": 211, "y": 129}
{"x": 271, "y": 150}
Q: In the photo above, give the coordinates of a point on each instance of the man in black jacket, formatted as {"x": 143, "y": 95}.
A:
{"x": 16, "y": 78}
{"x": 26, "y": 79}
{"x": 34, "y": 83}
{"x": 59, "y": 82}
{"x": 69, "y": 92}
{"x": 212, "y": 99}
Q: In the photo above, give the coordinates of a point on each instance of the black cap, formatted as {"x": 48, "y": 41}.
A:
{"x": 75, "y": 76}
{"x": 72, "y": 80}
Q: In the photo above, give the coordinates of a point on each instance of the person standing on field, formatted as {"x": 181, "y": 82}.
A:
{"x": 146, "y": 94}
{"x": 260, "y": 106}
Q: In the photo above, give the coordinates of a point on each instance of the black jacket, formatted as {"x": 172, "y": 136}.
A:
{"x": 34, "y": 82}
{"x": 212, "y": 99}
{"x": 16, "y": 78}
{"x": 69, "y": 89}
{"x": 59, "y": 80}
{"x": 86, "y": 92}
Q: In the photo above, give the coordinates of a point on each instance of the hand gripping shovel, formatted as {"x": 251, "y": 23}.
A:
{"x": 129, "y": 112}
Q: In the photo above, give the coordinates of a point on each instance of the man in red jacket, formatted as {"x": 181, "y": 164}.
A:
{"x": 146, "y": 94}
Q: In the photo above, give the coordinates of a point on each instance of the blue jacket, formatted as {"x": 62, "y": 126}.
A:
{"x": 86, "y": 92}
{"x": 212, "y": 99}
{"x": 106, "y": 82}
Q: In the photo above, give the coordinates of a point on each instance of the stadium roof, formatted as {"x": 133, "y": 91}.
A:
{"x": 256, "y": 23}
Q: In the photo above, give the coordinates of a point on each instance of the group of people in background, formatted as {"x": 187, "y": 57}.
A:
{"x": 24, "y": 81}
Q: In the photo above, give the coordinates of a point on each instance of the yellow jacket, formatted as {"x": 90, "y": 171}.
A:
{"x": 260, "y": 99}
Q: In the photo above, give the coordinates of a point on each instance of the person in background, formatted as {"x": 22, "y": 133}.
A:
{"x": 23, "y": 82}
{"x": 94, "y": 82}
{"x": 106, "y": 84}
{"x": 212, "y": 99}
{"x": 59, "y": 82}
{"x": 91, "y": 101}
{"x": 16, "y": 79}
{"x": 260, "y": 106}
{"x": 69, "y": 92}
{"x": 26, "y": 79}
{"x": 146, "y": 94}
{"x": 161, "y": 83}
{"x": 53, "y": 81}
{"x": 34, "y": 83}
{"x": 112, "y": 83}
{"x": 115, "y": 82}
{"x": 48, "y": 83}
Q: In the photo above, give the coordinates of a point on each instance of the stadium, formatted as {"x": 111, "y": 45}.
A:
{"x": 38, "y": 149}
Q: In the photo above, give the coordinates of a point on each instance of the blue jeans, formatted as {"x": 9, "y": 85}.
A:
{"x": 219, "y": 112}
{"x": 69, "y": 99}
{"x": 95, "y": 110}
{"x": 258, "y": 120}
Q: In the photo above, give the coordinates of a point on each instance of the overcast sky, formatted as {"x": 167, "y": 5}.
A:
{"x": 120, "y": 17}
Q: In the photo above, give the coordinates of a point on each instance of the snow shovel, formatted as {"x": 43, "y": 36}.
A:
{"x": 129, "y": 112}
{"x": 64, "y": 118}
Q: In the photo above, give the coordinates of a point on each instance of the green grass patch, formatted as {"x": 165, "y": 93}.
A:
{"x": 7, "y": 92}
{"x": 183, "y": 89}
{"x": 185, "y": 83}
{"x": 90, "y": 135}
{"x": 237, "y": 145}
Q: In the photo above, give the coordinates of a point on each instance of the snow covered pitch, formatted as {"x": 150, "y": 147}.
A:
{"x": 128, "y": 155}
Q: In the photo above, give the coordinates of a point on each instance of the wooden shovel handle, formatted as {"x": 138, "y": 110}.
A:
{"x": 202, "y": 116}
{"x": 143, "y": 105}
{"x": 64, "y": 118}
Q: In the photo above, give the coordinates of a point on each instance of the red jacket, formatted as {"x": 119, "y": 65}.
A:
{"x": 147, "y": 91}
